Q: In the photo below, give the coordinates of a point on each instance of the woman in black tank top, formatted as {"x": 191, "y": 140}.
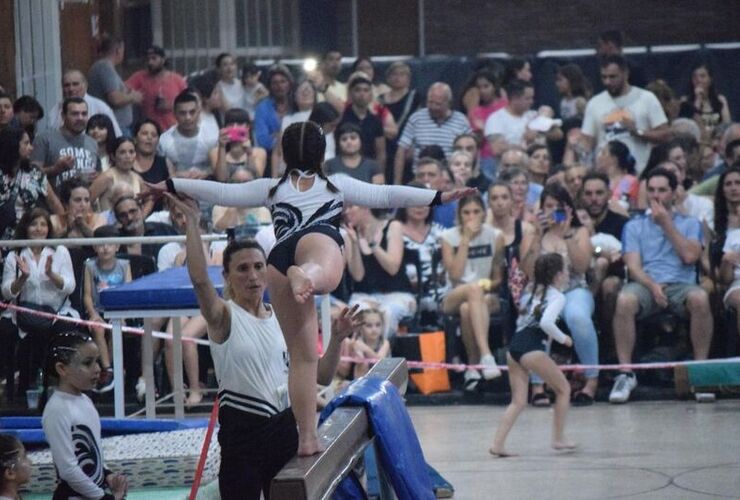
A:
{"x": 152, "y": 167}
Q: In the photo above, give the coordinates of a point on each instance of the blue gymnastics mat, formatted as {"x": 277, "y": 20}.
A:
{"x": 28, "y": 429}
{"x": 170, "y": 289}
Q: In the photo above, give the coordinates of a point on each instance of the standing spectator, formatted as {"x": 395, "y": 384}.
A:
{"x": 6, "y": 110}
{"x": 350, "y": 159}
{"x": 106, "y": 83}
{"x": 508, "y": 126}
{"x": 574, "y": 90}
{"x": 209, "y": 100}
{"x": 67, "y": 152}
{"x": 365, "y": 65}
{"x": 726, "y": 255}
{"x": 26, "y": 113}
{"x": 158, "y": 86}
{"x": 100, "y": 128}
{"x": 42, "y": 276}
{"x": 703, "y": 103}
{"x": 358, "y": 112}
{"x": 23, "y": 186}
{"x": 402, "y": 101}
{"x": 611, "y": 43}
{"x": 229, "y": 86}
{"x": 661, "y": 251}
{"x": 187, "y": 144}
{"x": 473, "y": 256}
{"x": 330, "y": 68}
{"x": 78, "y": 220}
{"x": 516, "y": 69}
{"x": 624, "y": 112}
{"x": 270, "y": 111}
{"x": 74, "y": 84}
{"x": 438, "y": 124}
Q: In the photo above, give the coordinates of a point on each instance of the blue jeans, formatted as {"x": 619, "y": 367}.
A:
{"x": 579, "y": 308}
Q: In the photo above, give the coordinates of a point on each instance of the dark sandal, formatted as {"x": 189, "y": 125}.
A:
{"x": 541, "y": 400}
{"x": 582, "y": 399}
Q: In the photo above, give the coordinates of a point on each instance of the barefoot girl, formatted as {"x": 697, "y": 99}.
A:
{"x": 306, "y": 207}
{"x": 72, "y": 424}
{"x": 15, "y": 468}
{"x": 527, "y": 351}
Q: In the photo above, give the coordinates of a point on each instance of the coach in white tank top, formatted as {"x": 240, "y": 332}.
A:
{"x": 258, "y": 432}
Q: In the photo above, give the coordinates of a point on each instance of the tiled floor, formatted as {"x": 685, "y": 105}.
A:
{"x": 671, "y": 450}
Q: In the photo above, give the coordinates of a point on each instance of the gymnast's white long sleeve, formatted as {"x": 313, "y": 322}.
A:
{"x": 256, "y": 193}
{"x": 555, "y": 302}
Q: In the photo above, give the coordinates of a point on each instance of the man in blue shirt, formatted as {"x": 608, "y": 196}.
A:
{"x": 661, "y": 250}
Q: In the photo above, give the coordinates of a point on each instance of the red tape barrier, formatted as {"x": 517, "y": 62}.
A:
{"x": 204, "y": 451}
{"x": 458, "y": 367}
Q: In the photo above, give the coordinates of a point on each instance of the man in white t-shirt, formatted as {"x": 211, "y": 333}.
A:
{"x": 187, "y": 144}
{"x": 625, "y": 113}
{"x": 508, "y": 126}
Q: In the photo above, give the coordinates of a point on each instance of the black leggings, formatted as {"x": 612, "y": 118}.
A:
{"x": 250, "y": 458}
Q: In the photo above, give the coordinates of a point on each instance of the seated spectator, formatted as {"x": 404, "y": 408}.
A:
{"x": 702, "y": 102}
{"x": 270, "y": 111}
{"x": 123, "y": 156}
{"x": 469, "y": 143}
{"x": 473, "y": 256}
{"x": 374, "y": 259}
{"x": 725, "y": 249}
{"x": 254, "y": 91}
{"x": 100, "y": 128}
{"x": 490, "y": 101}
{"x": 358, "y": 112}
{"x": 508, "y": 126}
{"x": 687, "y": 203}
{"x": 573, "y": 180}
{"x": 187, "y": 144}
{"x": 539, "y": 165}
{"x": 235, "y": 149}
{"x": 370, "y": 343}
{"x": 326, "y": 117}
{"x": 574, "y": 89}
{"x": 721, "y": 155}
{"x": 6, "y": 110}
{"x": 518, "y": 180}
{"x": 350, "y": 159}
{"x": 615, "y": 161}
{"x": 304, "y": 99}
{"x": 150, "y": 166}
{"x": 27, "y": 111}
{"x": 37, "y": 277}
{"x": 74, "y": 84}
{"x": 461, "y": 167}
{"x": 103, "y": 271}
{"x": 390, "y": 128}
{"x": 209, "y": 100}
{"x": 661, "y": 251}
{"x": 23, "y": 186}
{"x": 79, "y": 219}
{"x": 429, "y": 172}
{"x": 251, "y": 218}
{"x": 421, "y": 234}
{"x": 130, "y": 220}
{"x": 667, "y": 98}
{"x": 558, "y": 230}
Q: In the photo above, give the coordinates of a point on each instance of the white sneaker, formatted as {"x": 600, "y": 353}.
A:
{"x": 490, "y": 370}
{"x": 472, "y": 377}
{"x": 140, "y": 389}
{"x": 705, "y": 397}
{"x": 623, "y": 386}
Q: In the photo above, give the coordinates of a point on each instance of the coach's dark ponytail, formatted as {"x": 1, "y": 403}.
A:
{"x": 304, "y": 146}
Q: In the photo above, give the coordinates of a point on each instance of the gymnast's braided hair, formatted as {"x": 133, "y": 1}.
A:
{"x": 304, "y": 145}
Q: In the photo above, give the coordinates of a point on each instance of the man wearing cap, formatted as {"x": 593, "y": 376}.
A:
{"x": 105, "y": 83}
{"x": 74, "y": 84}
{"x": 159, "y": 86}
{"x": 358, "y": 112}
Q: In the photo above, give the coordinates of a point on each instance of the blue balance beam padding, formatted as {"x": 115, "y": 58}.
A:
{"x": 400, "y": 453}
{"x": 170, "y": 289}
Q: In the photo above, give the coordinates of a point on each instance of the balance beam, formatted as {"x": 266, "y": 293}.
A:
{"x": 345, "y": 435}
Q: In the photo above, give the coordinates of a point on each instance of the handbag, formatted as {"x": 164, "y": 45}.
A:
{"x": 31, "y": 323}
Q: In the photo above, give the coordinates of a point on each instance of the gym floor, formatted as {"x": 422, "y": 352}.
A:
{"x": 655, "y": 450}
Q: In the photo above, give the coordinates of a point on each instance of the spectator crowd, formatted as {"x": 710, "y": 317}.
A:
{"x": 638, "y": 188}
